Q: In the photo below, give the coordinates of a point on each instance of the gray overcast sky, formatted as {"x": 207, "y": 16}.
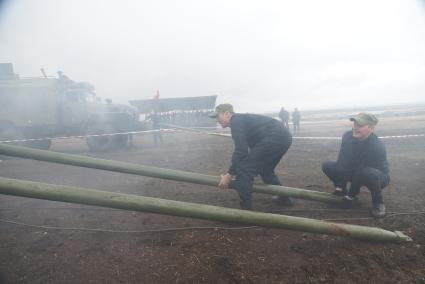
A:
{"x": 257, "y": 55}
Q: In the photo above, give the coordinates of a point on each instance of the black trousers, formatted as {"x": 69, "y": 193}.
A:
{"x": 261, "y": 160}
{"x": 372, "y": 178}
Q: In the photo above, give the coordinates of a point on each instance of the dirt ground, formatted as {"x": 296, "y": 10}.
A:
{"x": 122, "y": 253}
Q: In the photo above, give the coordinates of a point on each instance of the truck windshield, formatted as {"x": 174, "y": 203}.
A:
{"x": 80, "y": 96}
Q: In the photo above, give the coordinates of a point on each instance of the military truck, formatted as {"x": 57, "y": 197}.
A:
{"x": 36, "y": 109}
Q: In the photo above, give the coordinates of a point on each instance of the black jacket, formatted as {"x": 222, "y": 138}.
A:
{"x": 249, "y": 129}
{"x": 355, "y": 154}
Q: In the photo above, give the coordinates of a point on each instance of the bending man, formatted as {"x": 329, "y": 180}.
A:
{"x": 260, "y": 143}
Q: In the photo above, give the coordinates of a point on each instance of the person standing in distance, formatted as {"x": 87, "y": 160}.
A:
{"x": 156, "y": 125}
{"x": 362, "y": 160}
{"x": 296, "y": 118}
{"x": 259, "y": 144}
{"x": 284, "y": 117}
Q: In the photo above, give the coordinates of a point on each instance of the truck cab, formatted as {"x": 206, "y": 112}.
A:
{"x": 36, "y": 109}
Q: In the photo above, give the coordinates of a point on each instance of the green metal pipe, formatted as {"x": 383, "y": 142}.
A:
{"x": 185, "y": 209}
{"x": 122, "y": 167}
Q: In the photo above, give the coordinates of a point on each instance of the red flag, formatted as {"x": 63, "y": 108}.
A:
{"x": 156, "y": 97}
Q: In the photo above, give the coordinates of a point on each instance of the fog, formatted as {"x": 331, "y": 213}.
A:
{"x": 257, "y": 55}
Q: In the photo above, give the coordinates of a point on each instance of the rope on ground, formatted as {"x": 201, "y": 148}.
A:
{"x": 390, "y": 214}
{"x": 128, "y": 231}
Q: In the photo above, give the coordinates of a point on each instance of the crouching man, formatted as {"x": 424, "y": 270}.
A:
{"x": 260, "y": 143}
{"x": 362, "y": 161}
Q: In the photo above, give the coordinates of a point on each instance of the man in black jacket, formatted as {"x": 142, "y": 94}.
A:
{"x": 362, "y": 161}
{"x": 260, "y": 143}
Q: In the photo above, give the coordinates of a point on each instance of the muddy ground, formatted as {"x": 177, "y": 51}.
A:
{"x": 122, "y": 253}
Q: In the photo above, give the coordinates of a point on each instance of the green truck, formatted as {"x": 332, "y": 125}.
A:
{"x": 34, "y": 110}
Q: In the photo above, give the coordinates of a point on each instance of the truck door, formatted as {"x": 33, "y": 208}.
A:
{"x": 74, "y": 108}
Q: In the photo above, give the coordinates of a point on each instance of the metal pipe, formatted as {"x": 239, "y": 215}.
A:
{"x": 122, "y": 167}
{"x": 185, "y": 209}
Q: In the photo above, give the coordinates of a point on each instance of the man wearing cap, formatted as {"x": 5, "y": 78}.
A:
{"x": 260, "y": 143}
{"x": 362, "y": 161}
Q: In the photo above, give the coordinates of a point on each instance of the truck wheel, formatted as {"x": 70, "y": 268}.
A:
{"x": 107, "y": 142}
{"x": 9, "y": 134}
{"x": 120, "y": 141}
{"x": 98, "y": 143}
{"x": 16, "y": 134}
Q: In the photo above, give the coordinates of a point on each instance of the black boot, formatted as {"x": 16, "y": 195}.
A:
{"x": 282, "y": 200}
{"x": 245, "y": 200}
{"x": 246, "y": 204}
{"x": 378, "y": 210}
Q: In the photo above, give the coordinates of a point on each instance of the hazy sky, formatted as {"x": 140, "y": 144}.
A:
{"x": 257, "y": 55}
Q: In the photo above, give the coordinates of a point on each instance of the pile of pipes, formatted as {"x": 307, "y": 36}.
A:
{"x": 177, "y": 208}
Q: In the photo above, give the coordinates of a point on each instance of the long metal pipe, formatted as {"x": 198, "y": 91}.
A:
{"x": 185, "y": 209}
{"x": 122, "y": 167}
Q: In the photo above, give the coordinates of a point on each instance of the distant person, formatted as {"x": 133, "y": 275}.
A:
{"x": 284, "y": 117}
{"x": 296, "y": 118}
{"x": 362, "y": 161}
{"x": 260, "y": 143}
{"x": 64, "y": 79}
{"x": 155, "y": 119}
{"x": 133, "y": 116}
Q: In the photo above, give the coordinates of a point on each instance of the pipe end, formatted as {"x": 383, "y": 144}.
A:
{"x": 403, "y": 237}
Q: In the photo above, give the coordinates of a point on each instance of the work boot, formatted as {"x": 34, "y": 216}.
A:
{"x": 348, "y": 202}
{"x": 245, "y": 200}
{"x": 246, "y": 204}
{"x": 339, "y": 192}
{"x": 378, "y": 210}
{"x": 282, "y": 200}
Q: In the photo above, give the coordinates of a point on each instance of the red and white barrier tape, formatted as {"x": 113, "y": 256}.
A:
{"x": 328, "y": 137}
{"x": 84, "y": 136}
{"x": 188, "y": 130}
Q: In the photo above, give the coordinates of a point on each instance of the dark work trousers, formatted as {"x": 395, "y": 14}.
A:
{"x": 337, "y": 175}
{"x": 261, "y": 160}
{"x": 373, "y": 179}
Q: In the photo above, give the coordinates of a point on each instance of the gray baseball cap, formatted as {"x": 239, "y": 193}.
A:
{"x": 222, "y": 108}
{"x": 365, "y": 119}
